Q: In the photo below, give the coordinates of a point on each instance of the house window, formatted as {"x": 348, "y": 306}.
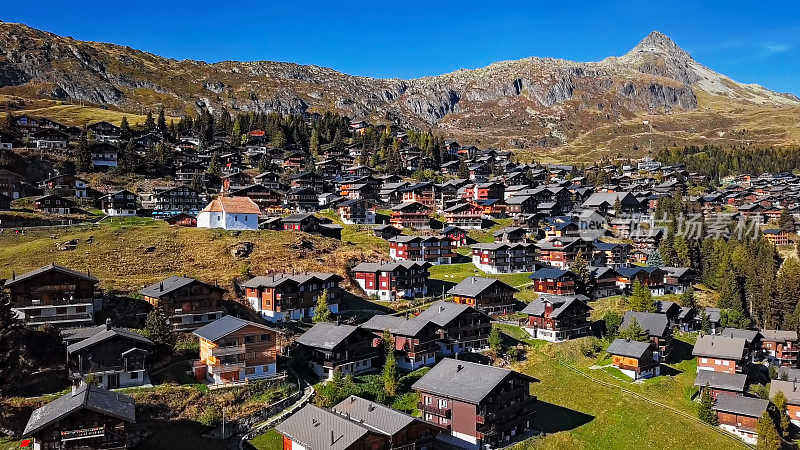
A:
{"x": 249, "y": 370}
{"x": 249, "y": 339}
{"x": 704, "y": 360}
{"x": 265, "y": 337}
{"x": 134, "y": 375}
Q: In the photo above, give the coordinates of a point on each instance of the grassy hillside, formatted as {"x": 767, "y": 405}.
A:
{"x": 128, "y": 254}
{"x": 69, "y": 114}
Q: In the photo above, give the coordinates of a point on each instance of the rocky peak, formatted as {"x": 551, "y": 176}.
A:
{"x": 658, "y": 43}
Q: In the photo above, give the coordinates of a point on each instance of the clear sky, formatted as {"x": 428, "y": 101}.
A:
{"x": 752, "y": 42}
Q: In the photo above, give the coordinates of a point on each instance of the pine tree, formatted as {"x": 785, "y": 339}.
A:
{"x": 704, "y": 411}
{"x": 9, "y": 326}
{"x": 705, "y": 322}
{"x": 780, "y": 403}
{"x": 463, "y": 170}
{"x": 654, "y": 259}
{"x": 496, "y": 341}
{"x": 213, "y": 167}
{"x": 321, "y": 312}
{"x": 641, "y": 298}
{"x": 389, "y": 374}
{"x": 125, "y": 129}
{"x": 162, "y": 121}
{"x": 83, "y": 155}
{"x": 158, "y": 329}
{"x": 687, "y": 299}
{"x": 617, "y": 207}
{"x": 149, "y": 122}
{"x": 583, "y": 278}
{"x": 729, "y": 295}
{"x": 612, "y": 321}
{"x": 768, "y": 438}
{"x": 314, "y": 142}
{"x": 634, "y": 332}
{"x": 127, "y": 160}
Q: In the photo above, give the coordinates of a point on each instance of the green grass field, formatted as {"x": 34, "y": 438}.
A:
{"x": 576, "y": 412}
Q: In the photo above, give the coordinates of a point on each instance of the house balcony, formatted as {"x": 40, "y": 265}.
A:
{"x": 83, "y": 433}
{"x": 58, "y": 319}
{"x": 433, "y": 409}
{"x": 229, "y": 367}
{"x": 227, "y": 351}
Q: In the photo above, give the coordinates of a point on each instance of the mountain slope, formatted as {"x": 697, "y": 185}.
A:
{"x": 533, "y": 102}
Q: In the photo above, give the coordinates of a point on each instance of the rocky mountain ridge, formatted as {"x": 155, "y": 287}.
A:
{"x": 532, "y": 102}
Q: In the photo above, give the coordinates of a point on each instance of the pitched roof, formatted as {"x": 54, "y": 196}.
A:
{"x": 560, "y": 304}
{"x": 789, "y": 389}
{"x": 547, "y": 273}
{"x": 104, "y": 333}
{"x": 442, "y": 313}
{"x": 91, "y": 397}
{"x": 315, "y": 429}
{"x": 747, "y": 335}
{"x": 326, "y": 335}
{"x": 654, "y": 324}
{"x": 462, "y": 380}
{"x": 724, "y": 347}
{"x": 374, "y": 415}
{"x": 474, "y": 286}
{"x": 171, "y": 284}
{"x": 232, "y": 205}
{"x": 225, "y": 326}
{"x": 721, "y": 380}
{"x": 395, "y": 325}
{"x": 54, "y": 267}
{"x": 627, "y": 347}
{"x": 745, "y": 406}
{"x": 779, "y": 335}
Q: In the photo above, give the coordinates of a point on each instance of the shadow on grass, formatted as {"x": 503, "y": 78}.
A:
{"x": 173, "y": 434}
{"x": 681, "y": 351}
{"x": 669, "y": 371}
{"x": 550, "y": 418}
{"x": 439, "y": 287}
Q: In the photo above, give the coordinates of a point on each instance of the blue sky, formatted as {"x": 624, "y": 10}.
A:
{"x": 750, "y": 42}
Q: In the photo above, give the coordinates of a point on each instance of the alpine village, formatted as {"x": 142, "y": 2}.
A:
{"x": 230, "y": 278}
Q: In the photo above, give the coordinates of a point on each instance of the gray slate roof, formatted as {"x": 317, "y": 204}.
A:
{"x": 326, "y": 335}
{"x": 789, "y": 389}
{"x": 316, "y": 429}
{"x": 779, "y": 335}
{"x": 374, "y": 415}
{"x": 90, "y": 397}
{"x": 474, "y": 286}
{"x": 627, "y": 347}
{"x": 745, "y": 406}
{"x": 654, "y": 324}
{"x": 225, "y": 326}
{"x": 103, "y": 334}
{"x": 170, "y": 284}
{"x": 747, "y": 335}
{"x": 442, "y": 313}
{"x": 560, "y": 304}
{"x": 721, "y": 380}
{"x": 66, "y": 270}
{"x": 461, "y": 380}
{"x": 723, "y": 347}
{"x": 395, "y": 325}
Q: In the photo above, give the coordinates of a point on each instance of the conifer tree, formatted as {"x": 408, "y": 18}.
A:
{"x": 83, "y": 155}
{"x": 162, "y": 121}
{"x": 125, "y": 129}
{"x": 158, "y": 329}
{"x": 641, "y": 298}
{"x": 213, "y": 167}
{"x": 780, "y": 403}
{"x": 583, "y": 278}
{"x": 496, "y": 341}
{"x": 321, "y": 312}
{"x": 654, "y": 259}
{"x": 149, "y": 122}
{"x": 687, "y": 299}
{"x": 389, "y": 374}
{"x": 704, "y": 411}
{"x": 768, "y": 438}
{"x": 634, "y": 332}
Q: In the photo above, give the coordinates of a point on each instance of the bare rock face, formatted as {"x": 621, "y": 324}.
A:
{"x": 532, "y": 101}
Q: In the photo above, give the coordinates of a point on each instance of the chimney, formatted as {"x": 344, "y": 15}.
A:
{"x": 333, "y": 440}
{"x": 161, "y": 287}
{"x": 459, "y": 367}
{"x": 108, "y": 323}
